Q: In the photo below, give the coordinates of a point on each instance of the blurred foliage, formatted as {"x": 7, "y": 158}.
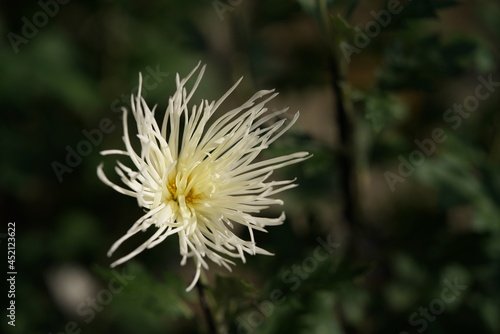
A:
{"x": 148, "y": 303}
{"x": 439, "y": 225}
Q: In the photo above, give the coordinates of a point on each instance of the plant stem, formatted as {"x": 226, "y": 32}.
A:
{"x": 200, "y": 287}
{"x": 347, "y": 157}
{"x": 348, "y": 166}
{"x": 347, "y": 130}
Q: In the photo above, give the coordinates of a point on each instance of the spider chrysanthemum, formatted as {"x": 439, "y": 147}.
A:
{"x": 198, "y": 178}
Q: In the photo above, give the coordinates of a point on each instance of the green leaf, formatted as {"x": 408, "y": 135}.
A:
{"x": 342, "y": 30}
{"x": 146, "y": 302}
{"x": 351, "y": 7}
{"x": 454, "y": 174}
{"x": 420, "y": 62}
{"x": 382, "y": 109}
{"x": 231, "y": 295}
{"x": 421, "y": 9}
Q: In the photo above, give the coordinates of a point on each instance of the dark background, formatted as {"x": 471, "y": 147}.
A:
{"x": 400, "y": 248}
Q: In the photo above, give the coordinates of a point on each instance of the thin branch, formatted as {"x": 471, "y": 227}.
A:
{"x": 346, "y": 125}
{"x": 347, "y": 157}
{"x": 200, "y": 287}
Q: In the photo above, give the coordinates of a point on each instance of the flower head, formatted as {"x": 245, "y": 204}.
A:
{"x": 198, "y": 179}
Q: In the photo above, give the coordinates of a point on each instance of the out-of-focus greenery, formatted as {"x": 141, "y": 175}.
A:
{"x": 440, "y": 226}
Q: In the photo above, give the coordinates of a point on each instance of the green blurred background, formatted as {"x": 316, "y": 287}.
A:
{"x": 66, "y": 66}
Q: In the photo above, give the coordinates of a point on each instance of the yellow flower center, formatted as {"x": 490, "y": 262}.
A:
{"x": 190, "y": 197}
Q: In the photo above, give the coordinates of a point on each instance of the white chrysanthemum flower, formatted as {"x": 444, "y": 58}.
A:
{"x": 197, "y": 179}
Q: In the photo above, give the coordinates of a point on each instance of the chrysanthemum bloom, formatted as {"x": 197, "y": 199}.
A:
{"x": 198, "y": 179}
